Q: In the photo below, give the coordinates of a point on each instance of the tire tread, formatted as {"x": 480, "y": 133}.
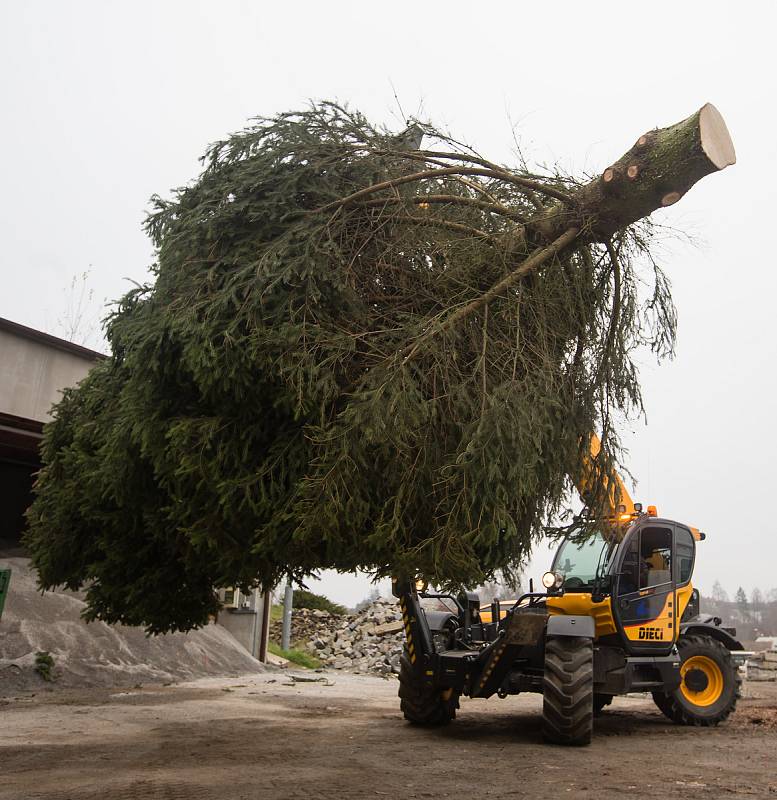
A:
{"x": 567, "y": 709}
{"x": 419, "y": 704}
{"x": 672, "y": 706}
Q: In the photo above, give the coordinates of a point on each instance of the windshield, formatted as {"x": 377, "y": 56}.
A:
{"x": 578, "y": 562}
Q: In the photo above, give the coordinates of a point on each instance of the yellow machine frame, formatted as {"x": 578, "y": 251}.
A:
{"x": 622, "y": 512}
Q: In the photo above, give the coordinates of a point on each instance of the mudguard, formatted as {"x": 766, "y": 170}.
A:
{"x": 568, "y": 625}
{"x": 713, "y": 631}
{"x": 440, "y": 620}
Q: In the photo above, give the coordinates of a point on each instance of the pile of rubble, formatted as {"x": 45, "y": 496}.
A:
{"x": 762, "y": 666}
{"x": 369, "y": 641}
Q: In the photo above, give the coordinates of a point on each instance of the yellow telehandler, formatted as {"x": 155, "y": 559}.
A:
{"x": 617, "y": 614}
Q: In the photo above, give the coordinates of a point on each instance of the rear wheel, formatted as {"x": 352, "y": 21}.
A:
{"x": 568, "y": 690}
{"x": 420, "y": 704}
{"x": 709, "y": 684}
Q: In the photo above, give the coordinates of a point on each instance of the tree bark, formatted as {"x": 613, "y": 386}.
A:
{"x": 659, "y": 169}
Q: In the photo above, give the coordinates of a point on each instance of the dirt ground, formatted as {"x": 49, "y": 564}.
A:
{"x": 264, "y": 736}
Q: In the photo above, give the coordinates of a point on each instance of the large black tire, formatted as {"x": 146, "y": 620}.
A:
{"x": 679, "y": 706}
{"x": 665, "y": 704}
{"x": 568, "y": 690}
{"x": 420, "y": 704}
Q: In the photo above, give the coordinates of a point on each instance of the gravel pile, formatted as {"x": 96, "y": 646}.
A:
{"x": 96, "y": 654}
{"x": 369, "y": 641}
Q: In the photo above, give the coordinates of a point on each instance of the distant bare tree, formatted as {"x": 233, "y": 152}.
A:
{"x": 501, "y": 588}
{"x": 753, "y": 618}
{"x": 757, "y": 599}
{"x": 79, "y": 320}
{"x": 744, "y": 607}
{"x": 371, "y": 597}
{"x": 719, "y": 594}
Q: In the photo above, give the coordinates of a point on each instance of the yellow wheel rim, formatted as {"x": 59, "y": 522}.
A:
{"x": 714, "y": 681}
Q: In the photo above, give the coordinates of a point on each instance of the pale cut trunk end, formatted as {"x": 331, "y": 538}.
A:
{"x": 715, "y": 138}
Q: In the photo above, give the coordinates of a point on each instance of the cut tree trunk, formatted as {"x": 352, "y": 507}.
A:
{"x": 659, "y": 169}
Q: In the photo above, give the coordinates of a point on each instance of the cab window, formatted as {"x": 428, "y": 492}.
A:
{"x": 656, "y": 555}
{"x": 581, "y": 562}
{"x": 684, "y": 554}
{"x": 647, "y": 561}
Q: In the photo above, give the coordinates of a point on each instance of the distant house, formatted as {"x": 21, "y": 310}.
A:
{"x": 34, "y": 369}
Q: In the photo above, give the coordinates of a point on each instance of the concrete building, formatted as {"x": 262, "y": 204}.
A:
{"x": 247, "y": 618}
{"x": 34, "y": 369}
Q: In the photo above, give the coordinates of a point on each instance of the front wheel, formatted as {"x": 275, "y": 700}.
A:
{"x": 709, "y": 684}
{"x": 568, "y": 690}
{"x": 420, "y": 704}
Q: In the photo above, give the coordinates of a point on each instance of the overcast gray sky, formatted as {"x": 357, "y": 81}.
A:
{"x": 105, "y": 103}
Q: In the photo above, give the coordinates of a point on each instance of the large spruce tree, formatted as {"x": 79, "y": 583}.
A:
{"x": 359, "y": 351}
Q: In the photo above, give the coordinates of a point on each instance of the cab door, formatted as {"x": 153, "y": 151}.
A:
{"x": 645, "y": 602}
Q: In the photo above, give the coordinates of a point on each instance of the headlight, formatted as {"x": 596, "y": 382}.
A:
{"x": 552, "y": 580}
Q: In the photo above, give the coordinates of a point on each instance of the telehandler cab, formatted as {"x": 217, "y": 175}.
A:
{"x": 618, "y": 614}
